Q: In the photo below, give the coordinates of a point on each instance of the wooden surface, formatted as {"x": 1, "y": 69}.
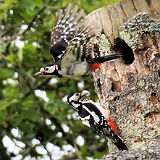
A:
{"x": 131, "y": 91}
{"x": 111, "y": 18}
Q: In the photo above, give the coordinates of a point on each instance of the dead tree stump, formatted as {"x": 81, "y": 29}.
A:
{"x": 130, "y": 87}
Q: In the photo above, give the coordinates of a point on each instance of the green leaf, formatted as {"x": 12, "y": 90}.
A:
{"x": 20, "y": 54}
{"x": 2, "y": 47}
{"x": 11, "y": 93}
{"x": 11, "y": 57}
{"x": 6, "y": 73}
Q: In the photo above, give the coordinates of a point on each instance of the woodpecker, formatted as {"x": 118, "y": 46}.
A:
{"x": 72, "y": 47}
{"x": 95, "y": 117}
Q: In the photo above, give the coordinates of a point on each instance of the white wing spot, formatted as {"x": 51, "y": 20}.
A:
{"x": 67, "y": 22}
{"x": 70, "y": 25}
{"x": 60, "y": 56}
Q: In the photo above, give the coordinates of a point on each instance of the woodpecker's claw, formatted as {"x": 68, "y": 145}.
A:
{"x": 38, "y": 74}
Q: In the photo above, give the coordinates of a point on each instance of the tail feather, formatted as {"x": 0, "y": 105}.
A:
{"x": 107, "y": 58}
{"x": 107, "y": 131}
{"x": 120, "y": 145}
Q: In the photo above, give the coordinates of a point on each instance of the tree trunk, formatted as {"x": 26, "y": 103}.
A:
{"x": 130, "y": 87}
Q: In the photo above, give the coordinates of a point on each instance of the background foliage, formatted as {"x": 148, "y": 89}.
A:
{"x": 34, "y": 127}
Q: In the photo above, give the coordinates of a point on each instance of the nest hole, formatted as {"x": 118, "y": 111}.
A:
{"x": 120, "y": 46}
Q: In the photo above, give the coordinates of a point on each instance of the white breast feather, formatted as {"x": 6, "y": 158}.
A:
{"x": 85, "y": 120}
{"x": 76, "y": 69}
{"x": 96, "y": 118}
{"x": 105, "y": 112}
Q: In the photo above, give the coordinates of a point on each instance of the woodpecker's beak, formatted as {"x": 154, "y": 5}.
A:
{"x": 40, "y": 73}
{"x": 82, "y": 95}
{"x": 42, "y": 70}
{"x": 85, "y": 94}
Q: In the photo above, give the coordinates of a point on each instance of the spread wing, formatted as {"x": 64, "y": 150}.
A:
{"x": 80, "y": 48}
{"x": 64, "y": 30}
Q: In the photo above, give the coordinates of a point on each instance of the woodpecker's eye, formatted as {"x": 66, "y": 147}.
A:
{"x": 46, "y": 69}
{"x": 77, "y": 94}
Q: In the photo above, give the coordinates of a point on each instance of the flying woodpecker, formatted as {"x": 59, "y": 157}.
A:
{"x": 95, "y": 117}
{"x": 72, "y": 47}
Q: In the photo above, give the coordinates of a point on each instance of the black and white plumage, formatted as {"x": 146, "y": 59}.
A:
{"x": 72, "y": 47}
{"x": 95, "y": 117}
{"x": 64, "y": 30}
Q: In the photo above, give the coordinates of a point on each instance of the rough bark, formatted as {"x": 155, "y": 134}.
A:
{"x": 130, "y": 88}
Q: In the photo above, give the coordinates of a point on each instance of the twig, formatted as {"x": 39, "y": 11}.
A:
{"x": 29, "y": 25}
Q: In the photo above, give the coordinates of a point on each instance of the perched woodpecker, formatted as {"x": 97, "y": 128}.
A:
{"x": 96, "y": 117}
{"x": 72, "y": 47}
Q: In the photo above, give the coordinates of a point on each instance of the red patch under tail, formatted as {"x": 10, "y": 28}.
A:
{"x": 111, "y": 124}
{"x": 94, "y": 66}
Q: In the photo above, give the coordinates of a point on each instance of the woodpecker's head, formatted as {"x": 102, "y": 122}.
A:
{"x": 50, "y": 70}
{"x": 75, "y": 99}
